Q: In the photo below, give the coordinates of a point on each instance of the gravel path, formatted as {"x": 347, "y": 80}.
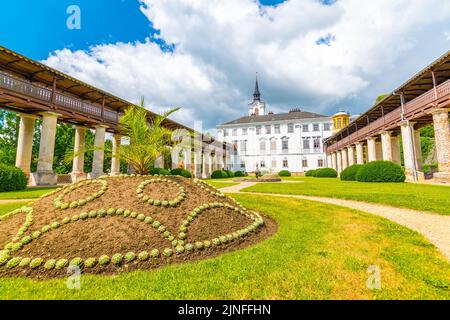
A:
{"x": 436, "y": 228}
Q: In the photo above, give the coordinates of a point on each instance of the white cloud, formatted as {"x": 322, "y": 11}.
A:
{"x": 221, "y": 43}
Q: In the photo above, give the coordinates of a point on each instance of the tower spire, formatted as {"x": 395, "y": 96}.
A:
{"x": 256, "y": 94}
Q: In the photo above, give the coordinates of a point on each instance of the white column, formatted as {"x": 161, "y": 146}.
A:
{"x": 344, "y": 159}
{"x": 442, "y": 141}
{"x": 198, "y": 163}
{"x": 334, "y": 160}
{"x": 339, "y": 162}
{"x": 159, "y": 162}
{"x": 25, "y": 142}
{"x": 205, "y": 166}
{"x": 329, "y": 161}
{"x": 386, "y": 145}
{"x": 351, "y": 155}
{"x": 97, "y": 161}
{"x": 115, "y": 160}
{"x": 411, "y": 170}
{"x": 359, "y": 153}
{"x": 77, "y": 173}
{"x": 371, "y": 149}
{"x": 44, "y": 174}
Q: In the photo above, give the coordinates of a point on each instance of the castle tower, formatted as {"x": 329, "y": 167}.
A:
{"x": 340, "y": 121}
{"x": 257, "y": 107}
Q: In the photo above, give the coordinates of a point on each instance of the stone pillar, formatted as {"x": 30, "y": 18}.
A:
{"x": 395, "y": 149}
{"x": 339, "y": 161}
{"x": 418, "y": 150}
{"x": 44, "y": 175}
{"x": 204, "y": 166}
{"x": 351, "y": 155}
{"x": 344, "y": 159}
{"x": 77, "y": 173}
{"x": 359, "y": 153}
{"x": 198, "y": 163}
{"x": 334, "y": 160}
{"x": 99, "y": 155}
{"x": 386, "y": 146}
{"x": 219, "y": 157}
{"x": 329, "y": 161}
{"x": 115, "y": 160}
{"x": 442, "y": 141}
{"x": 25, "y": 142}
{"x": 409, "y": 152}
{"x": 371, "y": 149}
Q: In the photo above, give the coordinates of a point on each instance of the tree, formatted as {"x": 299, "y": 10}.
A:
{"x": 380, "y": 97}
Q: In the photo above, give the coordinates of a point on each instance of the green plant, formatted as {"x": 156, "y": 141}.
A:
{"x": 160, "y": 171}
{"x": 239, "y": 174}
{"x": 181, "y": 172}
{"x": 12, "y": 178}
{"x": 103, "y": 260}
{"x": 154, "y": 253}
{"x": 90, "y": 262}
{"x": 36, "y": 263}
{"x": 76, "y": 262}
{"x": 168, "y": 252}
{"x": 61, "y": 263}
{"x": 284, "y": 173}
{"x": 309, "y": 173}
{"x": 349, "y": 174}
{"x": 229, "y": 173}
{"x": 381, "y": 171}
{"x": 116, "y": 259}
{"x": 143, "y": 256}
{"x": 24, "y": 262}
{"x": 130, "y": 256}
{"x": 325, "y": 173}
{"x": 219, "y": 174}
{"x": 14, "y": 262}
{"x": 50, "y": 264}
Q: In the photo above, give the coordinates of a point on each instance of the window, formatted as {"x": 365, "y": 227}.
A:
{"x": 305, "y": 163}
{"x": 320, "y": 163}
{"x": 306, "y": 144}
{"x": 339, "y": 124}
{"x": 277, "y": 128}
{"x": 316, "y": 127}
{"x": 268, "y": 129}
{"x": 316, "y": 143}
{"x": 285, "y": 163}
{"x": 258, "y": 130}
{"x": 263, "y": 164}
{"x": 305, "y": 128}
{"x": 244, "y": 131}
{"x": 235, "y": 144}
{"x": 244, "y": 146}
{"x": 262, "y": 146}
{"x": 290, "y": 127}
{"x": 225, "y": 132}
{"x": 285, "y": 145}
{"x": 243, "y": 164}
{"x": 274, "y": 163}
{"x": 273, "y": 145}
{"x": 326, "y": 126}
{"x": 234, "y": 132}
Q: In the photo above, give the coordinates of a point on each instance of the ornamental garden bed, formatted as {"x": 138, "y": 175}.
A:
{"x": 116, "y": 224}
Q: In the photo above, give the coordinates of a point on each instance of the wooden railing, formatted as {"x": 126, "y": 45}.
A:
{"x": 392, "y": 119}
{"x": 27, "y": 88}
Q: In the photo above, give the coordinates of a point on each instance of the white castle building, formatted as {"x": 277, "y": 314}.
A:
{"x": 286, "y": 141}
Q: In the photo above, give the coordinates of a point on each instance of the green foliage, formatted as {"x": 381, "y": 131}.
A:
{"x": 50, "y": 264}
{"x": 76, "y": 262}
{"x": 349, "y": 174}
{"x": 325, "y": 173}
{"x": 130, "y": 256}
{"x": 90, "y": 262}
{"x": 239, "y": 174}
{"x": 284, "y": 173}
{"x": 181, "y": 172}
{"x": 381, "y": 97}
{"x": 229, "y": 173}
{"x": 117, "y": 259}
{"x": 4, "y": 256}
{"x": 14, "y": 262}
{"x": 309, "y": 173}
{"x": 160, "y": 171}
{"x": 430, "y": 167}
{"x": 219, "y": 174}
{"x": 25, "y": 262}
{"x": 61, "y": 263}
{"x": 380, "y": 171}
{"x": 168, "y": 252}
{"x": 103, "y": 260}
{"x": 12, "y": 178}
{"x": 36, "y": 263}
{"x": 143, "y": 256}
{"x": 154, "y": 253}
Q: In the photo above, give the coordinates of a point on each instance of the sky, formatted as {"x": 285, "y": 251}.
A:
{"x": 202, "y": 55}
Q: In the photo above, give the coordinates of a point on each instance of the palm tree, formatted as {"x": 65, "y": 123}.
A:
{"x": 148, "y": 138}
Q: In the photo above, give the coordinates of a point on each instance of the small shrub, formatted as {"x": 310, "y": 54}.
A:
{"x": 130, "y": 256}
{"x": 143, "y": 256}
{"x": 35, "y": 263}
{"x": 229, "y": 173}
{"x": 50, "y": 264}
{"x": 24, "y": 262}
{"x": 181, "y": 172}
{"x": 168, "y": 252}
{"x": 381, "y": 171}
{"x": 103, "y": 260}
{"x": 239, "y": 174}
{"x": 14, "y": 262}
{"x": 61, "y": 263}
{"x": 76, "y": 262}
{"x": 90, "y": 262}
{"x": 117, "y": 259}
{"x": 284, "y": 173}
{"x": 309, "y": 173}
{"x": 160, "y": 171}
{"x": 154, "y": 253}
{"x": 349, "y": 174}
{"x": 325, "y": 173}
{"x": 219, "y": 174}
{"x": 12, "y": 178}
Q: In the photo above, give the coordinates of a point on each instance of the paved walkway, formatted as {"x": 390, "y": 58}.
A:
{"x": 8, "y": 201}
{"x": 436, "y": 228}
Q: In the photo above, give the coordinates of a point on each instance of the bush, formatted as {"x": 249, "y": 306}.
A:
{"x": 181, "y": 172}
{"x": 284, "y": 173}
{"x": 325, "y": 173}
{"x": 219, "y": 174}
{"x": 160, "y": 171}
{"x": 239, "y": 174}
{"x": 12, "y": 178}
{"x": 349, "y": 174}
{"x": 229, "y": 173}
{"x": 309, "y": 173}
{"x": 381, "y": 171}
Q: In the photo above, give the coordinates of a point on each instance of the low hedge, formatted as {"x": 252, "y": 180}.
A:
{"x": 309, "y": 173}
{"x": 284, "y": 173}
{"x": 219, "y": 174}
{"x": 239, "y": 174}
{"x": 181, "y": 172}
{"x": 12, "y": 178}
{"x": 325, "y": 173}
{"x": 160, "y": 171}
{"x": 380, "y": 171}
{"x": 349, "y": 174}
{"x": 229, "y": 173}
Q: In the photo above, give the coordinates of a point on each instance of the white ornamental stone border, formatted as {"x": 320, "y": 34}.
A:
{"x": 59, "y": 200}
{"x": 159, "y": 202}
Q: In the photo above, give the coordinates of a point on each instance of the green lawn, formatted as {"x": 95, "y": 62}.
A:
{"x": 29, "y": 193}
{"x": 414, "y": 196}
{"x": 222, "y": 183}
{"x": 8, "y": 207}
{"x": 319, "y": 252}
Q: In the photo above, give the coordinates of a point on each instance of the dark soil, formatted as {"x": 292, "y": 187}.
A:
{"x": 109, "y": 235}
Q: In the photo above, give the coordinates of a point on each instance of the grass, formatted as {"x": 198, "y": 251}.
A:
{"x": 8, "y": 207}
{"x": 319, "y": 252}
{"x": 29, "y": 193}
{"x": 221, "y": 183}
{"x": 421, "y": 197}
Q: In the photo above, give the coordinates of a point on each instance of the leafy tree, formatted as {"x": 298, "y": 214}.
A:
{"x": 380, "y": 97}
